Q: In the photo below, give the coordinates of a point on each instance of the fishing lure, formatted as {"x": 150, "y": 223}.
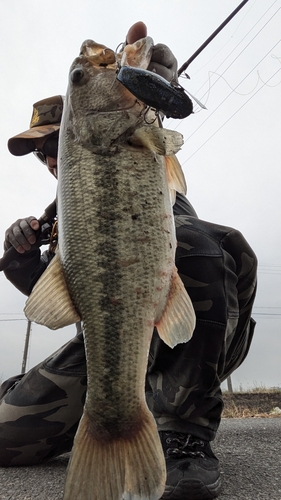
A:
{"x": 156, "y": 92}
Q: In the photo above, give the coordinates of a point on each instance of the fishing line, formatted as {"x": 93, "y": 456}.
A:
{"x": 233, "y": 88}
{"x": 246, "y": 14}
{"x": 258, "y": 79}
{"x": 235, "y": 59}
{"x": 229, "y": 41}
{"x": 271, "y": 86}
{"x": 230, "y": 117}
{"x": 211, "y": 114}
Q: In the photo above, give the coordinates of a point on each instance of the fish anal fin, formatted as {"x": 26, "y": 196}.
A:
{"x": 49, "y": 303}
{"x": 159, "y": 140}
{"x": 125, "y": 468}
{"x": 177, "y": 322}
{"x": 175, "y": 175}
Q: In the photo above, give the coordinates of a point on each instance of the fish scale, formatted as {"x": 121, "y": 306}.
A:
{"x": 118, "y": 292}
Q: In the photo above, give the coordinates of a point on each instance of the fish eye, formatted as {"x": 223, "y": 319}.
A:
{"x": 77, "y": 76}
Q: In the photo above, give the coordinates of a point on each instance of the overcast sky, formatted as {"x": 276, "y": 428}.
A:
{"x": 231, "y": 157}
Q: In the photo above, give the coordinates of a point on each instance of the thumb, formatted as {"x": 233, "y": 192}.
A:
{"x": 136, "y": 32}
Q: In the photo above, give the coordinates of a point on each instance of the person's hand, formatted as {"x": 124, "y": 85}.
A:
{"x": 163, "y": 61}
{"x": 21, "y": 234}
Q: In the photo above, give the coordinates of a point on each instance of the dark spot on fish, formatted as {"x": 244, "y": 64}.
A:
{"x": 135, "y": 216}
{"x": 114, "y": 301}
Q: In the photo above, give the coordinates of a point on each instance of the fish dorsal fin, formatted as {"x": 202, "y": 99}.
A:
{"x": 49, "y": 303}
{"x": 159, "y": 140}
{"x": 177, "y": 322}
{"x": 175, "y": 175}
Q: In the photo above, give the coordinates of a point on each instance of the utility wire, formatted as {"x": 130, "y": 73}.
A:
{"x": 23, "y": 319}
{"x": 266, "y": 314}
{"x": 11, "y": 314}
{"x": 267, "y": 307}
{"x": 269, "y": 265}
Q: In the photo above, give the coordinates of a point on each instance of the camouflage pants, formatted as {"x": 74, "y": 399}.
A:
{"x": 40, "y": 411}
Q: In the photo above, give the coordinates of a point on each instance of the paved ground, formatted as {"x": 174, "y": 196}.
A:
{"x": 249, "y": 451}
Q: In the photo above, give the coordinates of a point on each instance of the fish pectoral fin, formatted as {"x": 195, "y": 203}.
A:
{"x": 49, "y": 303}
{"x": 159, "y": 140}
{"x": 175, "y": 175}
{"x": 130, "y": 468}
{"x": 177, "y": 322}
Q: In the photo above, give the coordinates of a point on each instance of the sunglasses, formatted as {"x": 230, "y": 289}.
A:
{"x": 49, "y": 148}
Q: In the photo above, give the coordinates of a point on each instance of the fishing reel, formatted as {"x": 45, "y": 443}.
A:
{"x": 46, "y": 234}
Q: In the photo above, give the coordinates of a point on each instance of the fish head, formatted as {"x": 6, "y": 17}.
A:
{"x": 100, "y": 113}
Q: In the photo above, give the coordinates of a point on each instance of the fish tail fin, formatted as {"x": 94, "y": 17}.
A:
{"x": 125, "y": 468}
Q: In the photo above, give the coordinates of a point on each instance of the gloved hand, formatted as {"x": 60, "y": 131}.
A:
{"x": 21, "y": 234}
{"x": 163, "y": 61}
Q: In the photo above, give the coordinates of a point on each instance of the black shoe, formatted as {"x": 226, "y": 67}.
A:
{"x": 192, "y": 469}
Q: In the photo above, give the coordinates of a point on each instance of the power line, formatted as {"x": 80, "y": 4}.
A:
{"x": 267, "y": 307}
{"x": 23, "y": 319}
{"x": 270, "y": 265}
{"x": 11, "y": 314}
{"x": 267, "y": 314}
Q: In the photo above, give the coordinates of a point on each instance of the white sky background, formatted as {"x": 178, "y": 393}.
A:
{"x": 231, "y": 157}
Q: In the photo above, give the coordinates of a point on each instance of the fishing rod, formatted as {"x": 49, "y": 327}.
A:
{"x": 169, "y": 98}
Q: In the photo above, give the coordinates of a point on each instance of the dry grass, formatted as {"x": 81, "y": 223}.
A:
{"x": 256, "y": 403}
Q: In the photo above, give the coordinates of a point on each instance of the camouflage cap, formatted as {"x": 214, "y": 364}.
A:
{"x": 46, "y": 118}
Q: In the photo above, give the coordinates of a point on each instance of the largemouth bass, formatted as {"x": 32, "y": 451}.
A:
{"x": 115, "y": 270}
